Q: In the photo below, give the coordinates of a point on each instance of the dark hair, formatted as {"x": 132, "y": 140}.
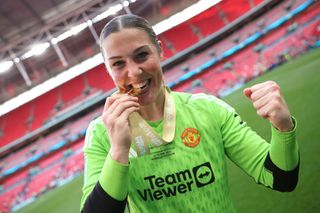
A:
{"x": 129, "y": 21}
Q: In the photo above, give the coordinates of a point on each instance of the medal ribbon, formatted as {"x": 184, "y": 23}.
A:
{"x": 143, "y": 136}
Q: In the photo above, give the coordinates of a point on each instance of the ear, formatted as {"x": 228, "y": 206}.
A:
{"x": 161, "y": 49}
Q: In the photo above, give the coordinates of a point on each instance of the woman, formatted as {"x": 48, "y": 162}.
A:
{"x": 163, "y": 151}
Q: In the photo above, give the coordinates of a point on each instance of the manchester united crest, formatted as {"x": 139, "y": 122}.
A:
{"x": 190, "y": 137}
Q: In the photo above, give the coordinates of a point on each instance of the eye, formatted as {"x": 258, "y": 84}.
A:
{"x": 142, "y": 56}
{"x": 118, "y": 64}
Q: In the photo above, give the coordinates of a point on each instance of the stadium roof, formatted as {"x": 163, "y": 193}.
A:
{"x": 40, "y": 39}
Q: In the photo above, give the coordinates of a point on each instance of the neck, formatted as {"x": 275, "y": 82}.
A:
{"x": 154, "y": 111}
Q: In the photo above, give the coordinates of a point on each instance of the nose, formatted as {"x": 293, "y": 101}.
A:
{"x": 133, "y": 69}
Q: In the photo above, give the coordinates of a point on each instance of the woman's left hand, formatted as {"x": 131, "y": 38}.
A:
{"x": 270, "y": 104}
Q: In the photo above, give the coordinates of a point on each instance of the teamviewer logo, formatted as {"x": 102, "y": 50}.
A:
{"x": 203, "y": 174}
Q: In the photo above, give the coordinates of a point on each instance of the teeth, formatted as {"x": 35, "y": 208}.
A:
{"x": 140, "y": 84}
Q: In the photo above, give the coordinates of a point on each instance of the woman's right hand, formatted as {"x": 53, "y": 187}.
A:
{"x": 115, "y": 117}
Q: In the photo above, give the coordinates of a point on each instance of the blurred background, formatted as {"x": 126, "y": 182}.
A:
{"x": 53, "y": 83}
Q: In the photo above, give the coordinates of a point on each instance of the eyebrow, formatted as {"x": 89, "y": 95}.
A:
{"x": 135, "y": 51}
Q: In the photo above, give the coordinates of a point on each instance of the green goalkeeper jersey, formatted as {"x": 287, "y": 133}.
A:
{"x": 189, "y": 174}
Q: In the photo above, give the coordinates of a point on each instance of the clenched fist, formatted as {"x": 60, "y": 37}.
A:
{"x": 270, "y": 104}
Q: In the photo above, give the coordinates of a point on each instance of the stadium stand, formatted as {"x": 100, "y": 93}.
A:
{"x": 56, "y": 157}
{"x": 42, "y": 109}
{"x": 44, "y": 145}
{"x": 49, "y": 173}
{"x": 44, "y": 106}
{"x": 253, "y": 58}
{"x": 223, "y": 44}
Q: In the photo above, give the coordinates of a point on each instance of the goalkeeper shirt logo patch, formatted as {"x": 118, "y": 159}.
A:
{"x": 190, "y": 137}
{"x": 177, "y": 183}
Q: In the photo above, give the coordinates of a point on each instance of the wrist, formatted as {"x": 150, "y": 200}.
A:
{"x": 287, "y": 127}
{"x": 120, "y": 155}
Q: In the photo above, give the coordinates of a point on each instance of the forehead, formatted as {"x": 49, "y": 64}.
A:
{"x": 125, "y": 41}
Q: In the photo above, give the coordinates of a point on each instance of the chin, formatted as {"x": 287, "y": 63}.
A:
{"x": 149, "y": 98}
{"x": 146, "y": 100}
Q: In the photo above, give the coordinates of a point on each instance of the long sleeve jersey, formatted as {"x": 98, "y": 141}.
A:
{"x": 189, "y": 174}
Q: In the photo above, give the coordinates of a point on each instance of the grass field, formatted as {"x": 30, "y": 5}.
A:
{"x": 300, "y": 83}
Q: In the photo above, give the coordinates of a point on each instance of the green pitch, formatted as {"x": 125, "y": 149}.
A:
{"x": 300, "y": 83}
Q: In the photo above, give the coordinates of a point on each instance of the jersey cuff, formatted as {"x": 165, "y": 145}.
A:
{"x": 114, "y": 178}
{"x": 283, "y": 181}
{"x": 284, "y": 151}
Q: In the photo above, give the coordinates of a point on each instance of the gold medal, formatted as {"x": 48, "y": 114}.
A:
{"x": 143, "y": 136}
{"x": 134, "y": 92}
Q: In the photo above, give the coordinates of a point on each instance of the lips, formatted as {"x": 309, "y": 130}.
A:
{"x": 139, "y": 88}
{"x": 140, "y": 85}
